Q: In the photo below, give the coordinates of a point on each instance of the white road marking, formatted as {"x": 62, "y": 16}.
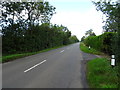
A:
{"x": 62, "y": 51}
{"x": 35, "y": 66}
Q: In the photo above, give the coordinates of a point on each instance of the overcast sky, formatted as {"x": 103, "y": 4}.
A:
{"x": 78, "y": 15}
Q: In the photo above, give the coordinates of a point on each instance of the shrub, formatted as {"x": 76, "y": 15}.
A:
{"x": 102, "y": 42}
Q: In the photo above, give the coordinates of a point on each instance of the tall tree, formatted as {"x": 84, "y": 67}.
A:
{"x": 112, "y": 12}
{"x": 82, "y": 39}
{"x": 90, "y": 33}
{"x": 26, "y": 27}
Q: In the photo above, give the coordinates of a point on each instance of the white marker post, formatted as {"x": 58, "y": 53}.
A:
{"x": 113, "y": 61}
{"x": 89, "y": 47}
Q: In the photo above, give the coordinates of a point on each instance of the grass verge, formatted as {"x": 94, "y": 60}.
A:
{"x": 100, "y": 74}
{"x": 16, "y": 56}
{"x": 87, "y": 50}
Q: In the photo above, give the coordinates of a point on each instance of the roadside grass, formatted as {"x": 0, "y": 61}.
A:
{"x": 100, "y": 74}
{"x": 7, "y": 58}
{"x": 84, "y": 48}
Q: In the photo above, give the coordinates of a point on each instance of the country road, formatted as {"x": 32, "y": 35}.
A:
{"x": 60, "y": 68}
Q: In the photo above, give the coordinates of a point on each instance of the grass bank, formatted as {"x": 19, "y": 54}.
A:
{"x": 100, "y": 74}
{"x": 16, "y": 56}
{"x": 86, "y": 49}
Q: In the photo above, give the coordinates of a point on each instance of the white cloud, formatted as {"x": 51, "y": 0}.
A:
{"x": 79, "y": 22}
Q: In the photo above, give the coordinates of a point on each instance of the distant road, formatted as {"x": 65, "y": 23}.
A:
{"x": 59, "y": 68}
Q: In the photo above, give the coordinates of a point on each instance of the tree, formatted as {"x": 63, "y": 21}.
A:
{"x": 18, "y": 22}
{"x": 26, "y": 27}
{"x": 73, "y": 39}
{"x": 110, "y": 10}
{"x": 90, "y": 33}
{"x": 82, "y": 39}
{"x": 112, "y": 24}
{"x": 25, "y": 13}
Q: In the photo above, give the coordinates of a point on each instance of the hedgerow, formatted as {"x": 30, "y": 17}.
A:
{"x": 102, "y": 42}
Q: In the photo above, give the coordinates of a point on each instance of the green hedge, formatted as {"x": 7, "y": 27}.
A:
{"x": 102, "y": 42}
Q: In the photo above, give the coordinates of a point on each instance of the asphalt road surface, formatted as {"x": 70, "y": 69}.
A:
{"x": 60, "y": 68}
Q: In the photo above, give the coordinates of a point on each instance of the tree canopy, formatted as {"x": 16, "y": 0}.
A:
{"x": 90, "y": 33}
{"x": 26, "y": 27}
{"x": 111, "y": 11}
{"x": 112, "y": 24}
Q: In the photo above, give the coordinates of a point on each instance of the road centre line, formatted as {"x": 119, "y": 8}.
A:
{"x": 35, "y": 66}
{"x": 62, "y": 51}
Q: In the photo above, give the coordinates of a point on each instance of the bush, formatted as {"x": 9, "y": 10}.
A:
{"x": 102, "y": 42}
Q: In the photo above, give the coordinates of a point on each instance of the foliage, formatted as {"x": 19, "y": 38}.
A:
{"x": 73, "y": 39}
{"x": 82, "y": 39}
{"x": 104, "y": 41}
{"x": 87, "y": 34}
{"x": 111, "y": 11}
{"x": 42, "y": 37}
{"x": 112, "y": 24}
{"x": 86, "y": 49}
{"x": 10, "y": 57}
{"x": 90, "y": 33}
{"x": 101, "y": 75}
{"x": 26, "y": 27}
